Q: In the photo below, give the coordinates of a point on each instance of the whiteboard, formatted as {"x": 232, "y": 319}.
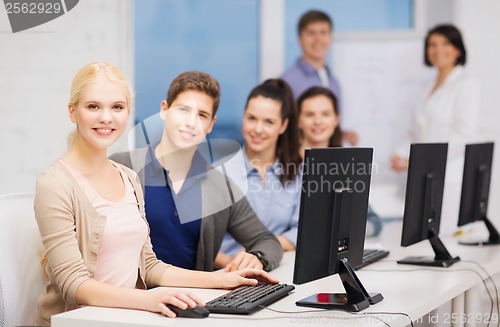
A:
{"x": 381, "y": 81}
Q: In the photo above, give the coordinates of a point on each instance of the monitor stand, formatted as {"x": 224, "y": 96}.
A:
{"x": 355, "y": 299}
{"x": 442, "y": 258}
{"x": 494, "y": 238}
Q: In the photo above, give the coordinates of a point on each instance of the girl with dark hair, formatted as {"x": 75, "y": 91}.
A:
{"x": 318, "y": 119}
{"x": 319, "y": 126}
{"x": 272, "y": 164}
{"x": 448, "y": 112}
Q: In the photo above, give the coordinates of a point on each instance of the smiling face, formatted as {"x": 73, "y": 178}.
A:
{"x": 315, "y": 39}
{"x": 262, "y": 125}
{"x": 101, "y": 114}
{"x": 187, "y": 120}
{"x": 317, "y": 121}
{"x": 441, "y": 53}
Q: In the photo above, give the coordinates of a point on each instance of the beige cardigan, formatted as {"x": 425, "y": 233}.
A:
{"x": 71, "y": 230}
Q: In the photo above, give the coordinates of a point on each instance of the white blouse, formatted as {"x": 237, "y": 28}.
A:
{"x": 449, "y": 114}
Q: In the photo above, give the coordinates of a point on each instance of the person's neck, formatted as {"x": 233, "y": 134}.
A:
{"x": 176, "y": 161}
{"x": 87, "y": 160}
{"x": 261, "y": 160}
{"x": 443, "y": 73}
{"x": 316, "y": 63}
{"x": 311, "y": 144}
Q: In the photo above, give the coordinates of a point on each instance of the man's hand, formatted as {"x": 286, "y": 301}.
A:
{"x": 244, "y": 260}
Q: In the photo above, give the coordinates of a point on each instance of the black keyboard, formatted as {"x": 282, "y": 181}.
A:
{"x": 247, "y": 299}
{"x": 370, "y": 256}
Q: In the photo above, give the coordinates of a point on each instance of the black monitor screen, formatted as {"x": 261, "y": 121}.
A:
{"x": 424, "y": 197}
{"x": 475, "y": 183}
{"x": 424, "y": 191}
{"x": 332, "y": 223}
{"x": 476, "y": 190}
{"x": 327, "y": 170}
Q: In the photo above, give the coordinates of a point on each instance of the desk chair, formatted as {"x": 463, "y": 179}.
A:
{"x": 20, "y": 271}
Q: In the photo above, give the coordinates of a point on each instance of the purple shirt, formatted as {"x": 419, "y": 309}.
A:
{"x": 302, "y": 76}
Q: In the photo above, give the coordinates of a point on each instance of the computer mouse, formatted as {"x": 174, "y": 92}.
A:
{"x": 196, "y": 312}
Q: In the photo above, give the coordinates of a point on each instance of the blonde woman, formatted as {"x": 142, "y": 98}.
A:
{"x": 90, "y": 212}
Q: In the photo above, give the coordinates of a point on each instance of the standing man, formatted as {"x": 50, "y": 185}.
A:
{"x": 315, "y": 31}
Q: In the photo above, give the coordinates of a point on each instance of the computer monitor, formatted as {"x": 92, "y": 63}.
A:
{"x": 476, "y": 189}
{"x": 332, "y": 223}
{"x": 424, "y": 197}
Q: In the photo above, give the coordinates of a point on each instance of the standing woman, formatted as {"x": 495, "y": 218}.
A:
{"x": 448, "y": 112}
{"x": 272, "y": 165}
{"x": 319, "y": 125}
{"x": 90, "y": 213}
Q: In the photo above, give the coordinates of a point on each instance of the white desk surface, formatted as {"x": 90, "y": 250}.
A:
{"x": 410, "y": 289}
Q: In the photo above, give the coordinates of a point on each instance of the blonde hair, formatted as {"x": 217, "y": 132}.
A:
{"x": 91, "y": 73}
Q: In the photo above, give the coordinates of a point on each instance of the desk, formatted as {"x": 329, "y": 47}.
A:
{"x": 409, "y": 289}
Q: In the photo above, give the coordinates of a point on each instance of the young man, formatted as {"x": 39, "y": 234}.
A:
{"x": 189, "y": 204}
{"x": 315, "y": 31}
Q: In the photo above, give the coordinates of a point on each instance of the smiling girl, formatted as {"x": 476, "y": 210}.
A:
{"x": 272, "y": 165}
{"x": 319, "y": 125}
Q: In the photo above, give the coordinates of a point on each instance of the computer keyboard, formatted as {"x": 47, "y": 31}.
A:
{"x": 247, "y": 299}
{"x": 370, "y": 256}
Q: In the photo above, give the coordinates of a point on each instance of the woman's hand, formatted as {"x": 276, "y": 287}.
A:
{"x": 350, "y": 137}
{"x": 399, "y": 164}
{"x": 246, "y": 276}
{"x": 243, "y": 260}
{"x": 156, "y": 300}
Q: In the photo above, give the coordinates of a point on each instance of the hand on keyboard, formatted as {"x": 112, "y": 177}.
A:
{"x": 246, "y": 276}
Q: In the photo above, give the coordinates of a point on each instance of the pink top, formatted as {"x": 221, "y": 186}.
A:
{"x": 124, "y": 235}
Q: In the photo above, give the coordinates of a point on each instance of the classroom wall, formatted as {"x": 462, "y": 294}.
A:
{"x": 36, "y": 68}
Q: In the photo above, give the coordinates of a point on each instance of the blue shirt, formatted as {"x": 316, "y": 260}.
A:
{"x": 276, "y": 205}
{"x": 302, "y": 76}
{"x": 174, "y": 219}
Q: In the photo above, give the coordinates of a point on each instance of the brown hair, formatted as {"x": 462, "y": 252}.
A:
{"x": 313, "y": 16}
{"x": 195, "y": 81}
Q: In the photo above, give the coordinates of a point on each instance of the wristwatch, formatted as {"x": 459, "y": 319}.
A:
{"x": 261, "y": 258}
